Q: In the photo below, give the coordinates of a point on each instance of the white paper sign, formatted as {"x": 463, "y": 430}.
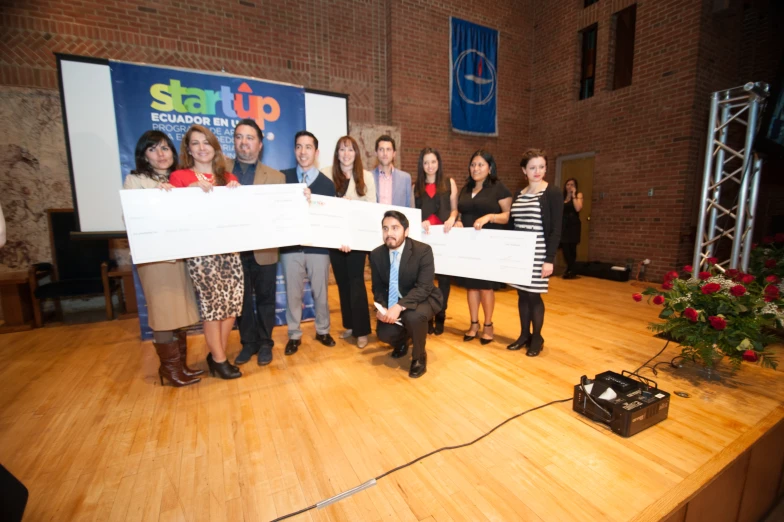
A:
{"x": 188, "y": 222}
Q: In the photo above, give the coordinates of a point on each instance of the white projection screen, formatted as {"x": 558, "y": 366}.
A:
{"x": 94, "y": 152}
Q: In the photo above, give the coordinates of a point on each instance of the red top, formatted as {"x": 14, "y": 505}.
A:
{"x": 184, "y": 177}
{"x": 430, "y": 188}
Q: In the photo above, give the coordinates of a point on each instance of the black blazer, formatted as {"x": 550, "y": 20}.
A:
{"x": 415, "y": 278}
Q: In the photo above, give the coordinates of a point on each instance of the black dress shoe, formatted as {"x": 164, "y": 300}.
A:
{"x": 537, "y": 344}
{"x": 439, "y": 329}
{"x": 484, "y": 341}
{"x": 467, "y": 337}
{"x": 248, "y": 351}
{"x": 224, "y": 369}
{"x": 325, "y": 339}
{"x": 418, "y": 367}
{"x": 519, "y": 343}
{"x": 292, "y": 346}
{"x": 400, "y": 351}
{"x": 265, "y": 355}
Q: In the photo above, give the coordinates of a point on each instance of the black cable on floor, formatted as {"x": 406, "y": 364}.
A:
{"x": 652, "y": 358}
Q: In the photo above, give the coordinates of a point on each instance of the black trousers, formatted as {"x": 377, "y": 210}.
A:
{"x": 444, "y": 284}
{"x": 570, "y": 255}
{"x": 258, "y": 302}
{"x": 349, "y": 270}
{"x": 414, "y": 325}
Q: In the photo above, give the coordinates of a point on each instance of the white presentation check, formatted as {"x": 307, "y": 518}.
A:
{"x": 506, "y": 256}
{"x": 338, "y": 221}
{"x": 188, "y": 222}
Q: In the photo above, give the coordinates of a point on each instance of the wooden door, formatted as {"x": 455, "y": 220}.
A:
{"x": 581, "y": 170}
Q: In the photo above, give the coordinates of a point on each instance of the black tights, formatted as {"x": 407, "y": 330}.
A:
{"x": 531, "y": 309}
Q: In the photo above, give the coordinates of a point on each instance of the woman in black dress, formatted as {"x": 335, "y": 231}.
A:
{"x": 436, "y": 195}
{"x": 570, "y": 234}
{"x": 484, "y": 202}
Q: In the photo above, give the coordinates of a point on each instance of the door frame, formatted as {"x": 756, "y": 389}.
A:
{"x": 568, "y": 157}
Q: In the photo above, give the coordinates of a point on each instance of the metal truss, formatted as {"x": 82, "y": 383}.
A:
{"x": 730, "y": 167}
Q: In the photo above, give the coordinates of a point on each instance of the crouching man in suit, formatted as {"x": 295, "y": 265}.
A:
{"x": 403, "y": 271}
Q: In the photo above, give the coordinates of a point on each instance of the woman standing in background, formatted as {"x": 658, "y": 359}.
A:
{"x": 570, "y": 232}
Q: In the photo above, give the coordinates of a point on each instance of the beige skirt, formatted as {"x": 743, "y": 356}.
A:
{"x": 171, "y": 301}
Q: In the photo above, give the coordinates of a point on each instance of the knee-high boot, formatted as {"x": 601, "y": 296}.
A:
{"x": 171, "y": 364}
{"x": 182, "y": 339}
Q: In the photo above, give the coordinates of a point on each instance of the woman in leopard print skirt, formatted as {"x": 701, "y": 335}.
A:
{"x": 218, "y": 278}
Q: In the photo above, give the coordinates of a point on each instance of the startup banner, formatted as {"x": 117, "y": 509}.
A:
{"x": 473, "y": 83}
{"x": 171, "y": 100}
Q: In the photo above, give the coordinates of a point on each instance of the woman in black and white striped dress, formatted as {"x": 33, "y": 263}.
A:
{"x": 538, "y": 208}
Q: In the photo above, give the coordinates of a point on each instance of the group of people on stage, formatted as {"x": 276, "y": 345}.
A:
{"x": 242, "y": 285}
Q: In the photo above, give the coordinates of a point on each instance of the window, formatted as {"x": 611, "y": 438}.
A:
{"x": 588, "y": 66}
{"x": 590, "y": 2}
{"x": 623, "y": 64}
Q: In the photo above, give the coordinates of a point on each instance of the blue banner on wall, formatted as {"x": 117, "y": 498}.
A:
{"x": 171, "y": 100}
{"x": 473, "y": 82}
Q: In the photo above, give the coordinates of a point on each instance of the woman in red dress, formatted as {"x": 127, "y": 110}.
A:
{"x": 218, "y": 279}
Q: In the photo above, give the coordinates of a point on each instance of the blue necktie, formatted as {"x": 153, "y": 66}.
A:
{"x": 394, "y": 293}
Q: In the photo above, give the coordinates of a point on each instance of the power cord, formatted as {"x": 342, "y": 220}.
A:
{"x": 372, "y": 482}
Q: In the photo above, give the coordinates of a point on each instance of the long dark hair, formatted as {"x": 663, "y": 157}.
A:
{"x": 149, "y": 139}
{"x": 576, "y": 186}
{"x": 218, "y": 161}
{"x": 358, "y": 173}
{"x": 442, "y": 182}
{"x": 492, "y": 177}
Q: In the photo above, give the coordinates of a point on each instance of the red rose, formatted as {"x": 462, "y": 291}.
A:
{"x": 669, "y": 276}
{"x": 747, "y": 279}
{"x": 666, "y": 285}
{"x": 772, "y": 291}
{"x": 767, "y": 240}
{"x": 768, "y": 299}
{"x": 704, "y": 275}
{"x": 659, "y": 299}
{"x": 717, "y": 322}
{"x": 691, "y": 314}
{"x": 779, "y": 238}
{"x": 637, "y": 297}
{"x": 772, "y": 279}
{"x": 710, "y": 288}
{"x": 732, "y": 273}
{"x": 770, "y": 263}
{"x": 750, "y": 355}
{"x": 713, "y": 260}
{"x": 688, "y": 268}
{"x": 738, "y": 290}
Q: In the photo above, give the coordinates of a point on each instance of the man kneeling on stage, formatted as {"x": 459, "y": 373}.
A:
{"x": 403, "y": 270}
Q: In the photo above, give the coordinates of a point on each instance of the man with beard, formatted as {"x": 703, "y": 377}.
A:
{"x": 402, "y": 271}
{"x": 259, "y": 266}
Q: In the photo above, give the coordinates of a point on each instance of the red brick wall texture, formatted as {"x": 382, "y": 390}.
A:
{"x": 392, "y": 58}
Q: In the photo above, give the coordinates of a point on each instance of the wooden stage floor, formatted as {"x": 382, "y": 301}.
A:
{"x": 85, "y": 424}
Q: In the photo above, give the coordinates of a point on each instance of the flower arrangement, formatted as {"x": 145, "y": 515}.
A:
{"x": 724, "y": 313}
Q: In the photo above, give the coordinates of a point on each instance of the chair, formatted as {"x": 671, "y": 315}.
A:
{"x": 79, "y": 267}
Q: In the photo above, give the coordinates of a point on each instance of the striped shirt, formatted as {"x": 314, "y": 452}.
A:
{"x": 527, "y": 216}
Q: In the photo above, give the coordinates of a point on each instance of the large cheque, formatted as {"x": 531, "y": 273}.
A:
{"x": 505, "y": 256}
{"x": 189, "y": 222}
{"x": 338, "y": 221}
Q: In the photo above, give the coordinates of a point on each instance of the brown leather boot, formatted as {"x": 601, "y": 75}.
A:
{"x": 182, "y": 339}
{"x": 171, "y": 364}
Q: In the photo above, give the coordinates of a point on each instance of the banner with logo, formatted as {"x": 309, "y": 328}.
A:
{"x": 473, "y": 82}
{"x": 171, "y": 100}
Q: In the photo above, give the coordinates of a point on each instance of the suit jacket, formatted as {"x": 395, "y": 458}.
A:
{"x": 264, "y": 176}
{"x": 401, "y": 187}
{"x": 415, "y": 277}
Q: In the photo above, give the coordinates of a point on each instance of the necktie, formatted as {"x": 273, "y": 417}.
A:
{"x": 394, "y": 293}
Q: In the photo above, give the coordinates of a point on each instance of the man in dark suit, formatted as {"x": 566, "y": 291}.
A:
{"x": 403, "y": 271}
{"x": 299, "y": 262}
{"x": 259, "y": 266}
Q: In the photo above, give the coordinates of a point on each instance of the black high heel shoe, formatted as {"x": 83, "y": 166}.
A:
{"x": 225, "y": 369}
{"x": 520, "y": 342}
{"x": 467, "y": 337}
{"x": 487, "y": 341}
{"x": 536, "y": 346}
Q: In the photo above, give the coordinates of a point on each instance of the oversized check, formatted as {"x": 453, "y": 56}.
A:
{"x": 338, "y": 221}
{"x": 505, "y": 256}
{"x": 188, "y": 222}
